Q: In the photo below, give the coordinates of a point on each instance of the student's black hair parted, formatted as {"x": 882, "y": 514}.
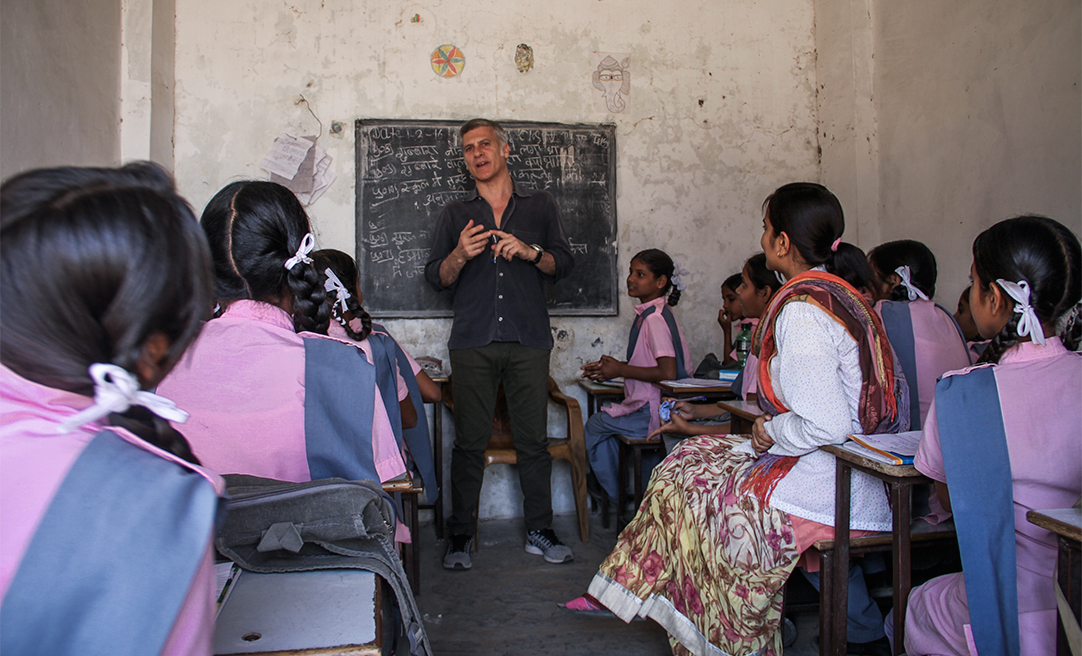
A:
{"x": 253, "y": 228}
{"x": 95, "y": 263}
{"x": 886, "y": 258}
{"x": 660, "y": 264}
{"x": 812, "y": 217}
{"x": 732, "y": 282}
{"x": 1044, "y": 253}
{"x": 345, "y": 269}
{"x": 760, "y": 275}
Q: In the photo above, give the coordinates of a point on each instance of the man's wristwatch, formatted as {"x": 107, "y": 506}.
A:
{"x": 540, "y": 253}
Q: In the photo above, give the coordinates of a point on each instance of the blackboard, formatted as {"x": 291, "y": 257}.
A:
{"x": 408, "y": 170}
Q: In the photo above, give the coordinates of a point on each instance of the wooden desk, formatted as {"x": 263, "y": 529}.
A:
{"x": 596, "y": 393}
{"x": 716, "y": 392}
{"x": 333, "y": 611}
{"x": 1066, "y": 523}
{"x": 834, "y": 590}
{"x": 742, "y": 414}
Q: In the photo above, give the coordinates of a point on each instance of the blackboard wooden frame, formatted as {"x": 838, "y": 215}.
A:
{"x": 407, "y": 170}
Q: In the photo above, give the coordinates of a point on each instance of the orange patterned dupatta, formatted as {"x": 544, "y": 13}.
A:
{"x": 884, "y": 396}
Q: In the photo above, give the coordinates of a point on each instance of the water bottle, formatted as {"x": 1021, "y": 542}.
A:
{"x": 742, "y": 343}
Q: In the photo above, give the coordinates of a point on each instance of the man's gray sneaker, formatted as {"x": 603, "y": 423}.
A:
{"x": 545, "y": 543}
{"x": 458, "y": 552}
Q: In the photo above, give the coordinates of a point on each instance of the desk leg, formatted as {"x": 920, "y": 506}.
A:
{"x": 840, "y": 582}
{"x": 901, "y": 498}
{"x": 437, "y": 458}
{"x": 411, "y": 552}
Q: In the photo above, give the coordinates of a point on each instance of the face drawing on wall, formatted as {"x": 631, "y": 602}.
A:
{"x": 613, "y": 79}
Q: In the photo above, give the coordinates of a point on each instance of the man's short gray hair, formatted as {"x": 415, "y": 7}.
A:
{"x": 475, "y": 123}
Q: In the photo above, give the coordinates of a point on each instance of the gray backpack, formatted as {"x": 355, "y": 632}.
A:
{"x": 278, "y": 526}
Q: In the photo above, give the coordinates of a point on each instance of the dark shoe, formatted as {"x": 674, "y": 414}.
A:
{"x": 458, "y": 552}
{"x": 545, "y": 543}
{"x": 788, "y": 633}
{"x": 880, "y": 647}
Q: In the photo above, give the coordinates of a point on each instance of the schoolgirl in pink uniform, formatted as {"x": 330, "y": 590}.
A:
{"x": 269, "y": 392}
{"x": 405, "y": 387}
{"x": 656, "y": 351}
{"x": 925, "y": 336}
{"x": 1002, "y": 439}
{"x": 108, "y": 518}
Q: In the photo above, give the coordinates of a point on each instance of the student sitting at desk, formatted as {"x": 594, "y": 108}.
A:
{"x": 270, "y": 393}
{"x": 108, "y": 519}
{"x": 925, "y": 336}
{"x": 731, "y": 312}
{"x": 401, "y": 381}
{"x": 656, "y": 351}
{"x": 725, "y": 518}
{"x": 756, "y": 288}
{"x": 1004, "y": 439}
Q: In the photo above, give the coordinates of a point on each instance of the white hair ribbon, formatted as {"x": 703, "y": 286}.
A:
{"x": 907, "y": 282}
{"x": 1028, "y": 323}
{"x": 307, "y": 244}
{"x": 116, "y": 390}
{"x": 678, "y": 272}
{"x": 333, "y": 284}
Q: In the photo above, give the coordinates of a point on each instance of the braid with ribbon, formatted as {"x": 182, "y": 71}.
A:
{"x": 1035, "y": 261}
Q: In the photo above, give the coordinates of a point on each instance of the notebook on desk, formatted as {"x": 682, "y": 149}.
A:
{"x": 887, "y": 448}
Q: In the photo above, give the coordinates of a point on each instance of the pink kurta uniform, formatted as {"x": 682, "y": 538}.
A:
{"x": 36, "y": 459}
{"x": 655, "y": 341}
{"x": 939, "y": 348}
{"x": 1038, "y": 393}
{"x": 243, "y": 383}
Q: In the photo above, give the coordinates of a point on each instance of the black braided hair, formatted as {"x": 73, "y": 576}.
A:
{"x": 1044, "y": 253}
{"x": 96, "y": 262}
{"x": 253, "y": 228}
{"x": 345, "y": 269}
{"x": 660, "y": 264}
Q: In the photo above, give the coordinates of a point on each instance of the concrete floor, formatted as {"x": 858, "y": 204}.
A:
{"x": 507, "y": 604}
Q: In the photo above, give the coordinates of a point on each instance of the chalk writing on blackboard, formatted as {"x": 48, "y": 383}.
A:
{"x": 408, "y": 170}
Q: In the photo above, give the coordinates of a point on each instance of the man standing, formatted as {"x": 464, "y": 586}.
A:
{"x": 493, "y": 249}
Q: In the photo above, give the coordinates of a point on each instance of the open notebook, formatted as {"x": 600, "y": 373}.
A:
{"x": 888, "y": 448}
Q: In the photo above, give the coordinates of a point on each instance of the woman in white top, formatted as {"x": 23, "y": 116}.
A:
{"x": 726, "y": 517}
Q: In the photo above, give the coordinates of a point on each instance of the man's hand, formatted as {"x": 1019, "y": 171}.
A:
{"x": 760, "y": 441}
{"x": 472, "y": 241}
{"x": 510, "y": 246}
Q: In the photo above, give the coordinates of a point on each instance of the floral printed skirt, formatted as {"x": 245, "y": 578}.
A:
{"x": 702, "y": 558}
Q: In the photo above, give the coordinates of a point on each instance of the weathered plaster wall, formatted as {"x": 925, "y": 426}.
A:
{"x": 59, "y": 83}
{"x": 977, "y": 117}
{"x": 722, "y": 111}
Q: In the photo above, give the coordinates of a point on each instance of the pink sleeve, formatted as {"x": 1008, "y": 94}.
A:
{"x": 929, "y": 458}
{"x": 403, "y": 391}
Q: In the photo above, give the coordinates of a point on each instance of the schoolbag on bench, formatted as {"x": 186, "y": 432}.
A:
{"x": 278, "y": 526}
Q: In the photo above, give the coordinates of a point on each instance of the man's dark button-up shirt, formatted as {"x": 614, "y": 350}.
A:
{"x": 501, "y": 301}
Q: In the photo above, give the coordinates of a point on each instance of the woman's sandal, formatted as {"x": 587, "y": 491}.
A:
{"x": 587, "y": 605}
